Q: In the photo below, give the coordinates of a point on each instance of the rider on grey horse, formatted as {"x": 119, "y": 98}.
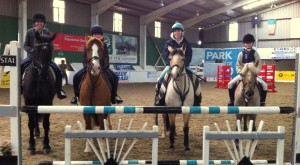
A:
{"x": 177, "y": 41}
{"x": 246, "y": 56}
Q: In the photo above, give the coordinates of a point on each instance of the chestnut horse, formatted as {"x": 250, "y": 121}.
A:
{"x": 179, "y": 92}
{"x": 94, "y": 90}
{"x": 39, "y": 88}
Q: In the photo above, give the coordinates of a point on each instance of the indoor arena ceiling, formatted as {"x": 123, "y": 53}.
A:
{"x": 192, "y": 13}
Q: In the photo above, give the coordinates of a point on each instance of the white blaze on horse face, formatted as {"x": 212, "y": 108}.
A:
{"x": 96, "y": 65}
{"x": 176, "y": 65}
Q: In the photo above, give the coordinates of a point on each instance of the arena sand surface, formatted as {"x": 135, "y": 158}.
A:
{"x": 142, "y": 94}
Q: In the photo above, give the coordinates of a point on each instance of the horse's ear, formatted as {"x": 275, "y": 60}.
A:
{"x": 183, "y": 47}
{"x": 102, "y": 38}
{"x": 53, "y": 36}
{"x": 37, "y": 35}
{"x": 87, "y": 37}
{"x": 170, "y": 49}
{"x": 256, "y": 63}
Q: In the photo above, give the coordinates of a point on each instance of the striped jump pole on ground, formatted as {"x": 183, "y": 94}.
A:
{"x": 160, "y": 162}
{"x": 158, "y": 109}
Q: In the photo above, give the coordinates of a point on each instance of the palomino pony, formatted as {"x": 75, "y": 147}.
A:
{"x": 94, "y": 90}
{"x": 39, "y": 88}
{"x": 179, "y": 92}
{"x": 247, "y": 92}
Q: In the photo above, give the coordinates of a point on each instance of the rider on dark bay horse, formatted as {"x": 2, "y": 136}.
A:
{"x": 246, "y": 56}
{"x": 177, "y": 40}
{"x": 39, "y": 21}
{"x": 96, "y": 31}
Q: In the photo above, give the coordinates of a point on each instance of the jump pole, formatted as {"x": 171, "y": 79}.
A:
{"x": 158, "y": 109}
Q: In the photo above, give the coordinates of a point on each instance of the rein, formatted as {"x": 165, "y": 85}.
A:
{"x": 183, "y": 93}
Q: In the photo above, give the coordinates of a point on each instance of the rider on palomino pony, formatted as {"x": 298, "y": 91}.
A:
{"x": 177, "y": 40}
{"x": 246, "y": 56}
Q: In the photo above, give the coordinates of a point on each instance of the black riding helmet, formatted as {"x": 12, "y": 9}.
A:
{"x": 39, "y": 17}
{"x": 96, "y": 29}
{"x": 248, "y": 38}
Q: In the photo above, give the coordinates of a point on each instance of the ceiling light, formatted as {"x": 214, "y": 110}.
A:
{"x": 162, "y": 3}
{"x": 256, "y": 4}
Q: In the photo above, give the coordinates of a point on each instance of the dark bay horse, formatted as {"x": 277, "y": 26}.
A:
{"x": 247, "y": 93}
{"x": 180, "y": 92}
{"x": 39, "y": 88}
{"x": 95, "y": 90}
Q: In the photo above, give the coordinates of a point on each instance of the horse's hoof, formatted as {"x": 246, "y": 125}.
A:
{"x": 171, "y": 148}
{"x": 46, "y": 151}
{"x": 31, "y": 151}
{"x": 186, "y": 149}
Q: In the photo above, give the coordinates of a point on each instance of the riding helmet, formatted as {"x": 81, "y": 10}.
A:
{"x": 39, "y": 17}
{"x": 248, "y": 38}
{"x": 96, "y": 29}
{"x": 177, "y": 25}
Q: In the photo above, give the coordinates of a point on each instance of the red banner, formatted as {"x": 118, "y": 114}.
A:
{"x": 68, "y": 42}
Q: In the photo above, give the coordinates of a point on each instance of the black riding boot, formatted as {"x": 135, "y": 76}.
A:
{"x": 197, "y": 100}
{"x": 231, "y": 97}
{"x": 77, "y": 79}
{"x": 114, "y": 82}
{"x": 60, "y": 93}
{"x": 159, "y": 97}
{"x": 263, "y": 98}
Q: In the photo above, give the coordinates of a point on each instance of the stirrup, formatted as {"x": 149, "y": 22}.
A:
{"x": 230, "y": 103}
{"x": 74, "y": 100}
{"x": 61, "y": 94}
{"x": 118, "y": 100}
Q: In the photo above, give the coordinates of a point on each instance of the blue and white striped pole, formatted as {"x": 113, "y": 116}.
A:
{"x": 158, "y": 109}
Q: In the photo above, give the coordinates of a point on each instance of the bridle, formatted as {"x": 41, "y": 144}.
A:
{"x": 186, "y": 79}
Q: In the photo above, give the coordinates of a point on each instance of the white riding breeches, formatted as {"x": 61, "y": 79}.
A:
{"x": 232, "y": 83}
{"x": 238, "y": 77}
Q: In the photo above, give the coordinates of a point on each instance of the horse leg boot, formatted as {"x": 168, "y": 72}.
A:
{"x": 186, "y": 138}
{"x": 36, "y": 126}
{"x": 263, "y": 98}
{"x": 46, "y": 125}
{"x": 231, "y": 96}
{"x": 60, "y": 93}
{"x": 31, "y": 148}
{"x": 172, "y": 137}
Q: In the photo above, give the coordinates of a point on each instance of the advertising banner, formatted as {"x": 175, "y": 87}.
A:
{"x": 225, "y": 56}
{"x": 125, "y": 49}
{"x": 285, "y": 75}
{"x": 69, "y": 42}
